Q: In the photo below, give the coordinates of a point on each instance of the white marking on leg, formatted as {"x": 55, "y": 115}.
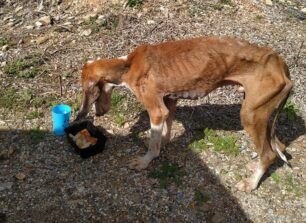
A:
{"x": 241, "y": 89}
{"x": 123, "y": 57}
{"x": 255, "y": 178}
{"x": 157, "y": 127}
{"x": 90, "y": 61}
{"x": 165, "y": 130}
{"x": 108, "y": 86}
{"x": 124, "y": 84}
{"x": 140, "y": 163}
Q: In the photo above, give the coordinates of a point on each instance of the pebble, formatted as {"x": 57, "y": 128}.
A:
{"x": 268, "y": 2}
{"x": 218, "y": 218}
{"x": 87, "y": 18}
{"x": 303, "y": 10}
{"x": 149, "y": 22}
{"x": 29, "y": 27}
{"x": 6, "y": 186}
{"x": 20, "y": 176}
{"x": 45, "y": 20}
{"x": 86, "y": 32}
{"x": 5, "y": 48}
{"x": 126, "y": 125}
{"x": 254, "y": 155}
{"x": 38, "y": 24}
{"x": 42, "y": 39}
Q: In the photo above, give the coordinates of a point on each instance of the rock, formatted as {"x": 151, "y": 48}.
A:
{"x": 149, "y": 22}
{"x": 18, "y": 9}
{"x": 6, "y": 186}
{"x": 45, "y": 20}
{"x": 254, "y": 155}
{"x": 86, "y": 32}
{"x": 38, "y": 24}
{"x": 20, "y": 176}
{"x": 2, "y": 64}
{"x": 126, "y": 125}
{"x": 88, "y": 17}
{"x": 5, "y": 48}
{"x": 42, "y": 39}
{"x": 303, "y": 10}
{"x": 218, "y": 218}
{"x": 29, "y": 27}
{"x": 268, "y": 2}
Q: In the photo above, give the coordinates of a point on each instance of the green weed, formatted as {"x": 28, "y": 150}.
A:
{"x": 275, "y": 177}
{"x": 225, "y": 144}
{"x": 134, "y": 3}
{"x": 3, "y": 41}
{"x": 34, "y": 114}
{"x": 116, "y": 99}
{"x": 198, "y": 146}
{"x": 259, "y": 17}
{"x": 26, "y": 67}
{"x": 119, "y": 119}
{"x": 168, "y": 173}
{"x": 36, "y": 135}
{"x": 200, "y": 198}
{"x": 291, "y": 185}
{"x": 291, "y": 110}
{"x": 220, "y": 5}
{"x": 8, "y": 98}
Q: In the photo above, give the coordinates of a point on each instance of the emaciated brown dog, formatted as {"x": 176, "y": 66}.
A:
{"x": 161, "y": 74}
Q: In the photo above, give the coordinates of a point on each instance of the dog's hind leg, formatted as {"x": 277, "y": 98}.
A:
{"x": 255, "y": 120}
{"x": 158, "y": 113}
{"x": 166, "y": 134}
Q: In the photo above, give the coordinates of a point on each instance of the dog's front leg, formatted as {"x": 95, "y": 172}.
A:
{"x": 158, "y": 113}
{"x": 141, "y": 162}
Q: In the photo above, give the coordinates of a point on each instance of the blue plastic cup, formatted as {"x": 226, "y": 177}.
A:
{"x": 60, "y": 116}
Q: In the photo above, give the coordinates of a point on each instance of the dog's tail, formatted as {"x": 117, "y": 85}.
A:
{"x": 274, "y": 143}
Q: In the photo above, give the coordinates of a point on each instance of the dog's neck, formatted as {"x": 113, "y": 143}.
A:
{"x": 116, "y": 69}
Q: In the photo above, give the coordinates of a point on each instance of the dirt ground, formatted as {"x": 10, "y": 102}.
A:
{"x": 43, "y": 45}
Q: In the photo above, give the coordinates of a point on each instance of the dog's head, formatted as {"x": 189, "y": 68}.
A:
{"x": 98, "y": 79}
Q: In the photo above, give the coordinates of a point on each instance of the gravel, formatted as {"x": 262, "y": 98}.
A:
{"x": 43, "y": 180}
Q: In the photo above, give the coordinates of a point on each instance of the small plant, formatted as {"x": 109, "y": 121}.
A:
{"x": 3, "y": 41}
{"x": 168, "y": 173}
{"x": 26, "y": 67}
{"x": 226, "y": 144}
{"x": 275, "y": 177}
{"x": 198, "y": 146}
{"x": 116, "y": 99}
{"x": 34, "y": 114}
{"x": 292, "y": 185}
{"x": 119, "y": 119}
{"x": 36, "y": 135}
{"x": 217, "y": 6}
{"x": 226, "y": 2}
{"x": 259, "y": 17}
{"x": 290, "y": 109}
{"x": 220, "y": 5}
{"x": 134, "y": 3}
{"x": 8, "y": 98}
{"x": 200, "y": 198}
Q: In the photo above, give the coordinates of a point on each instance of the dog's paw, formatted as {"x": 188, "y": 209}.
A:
{"x": 246, "y": 185}
{"x": 138, "y": 163}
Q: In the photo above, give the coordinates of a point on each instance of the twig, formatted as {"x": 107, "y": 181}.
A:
{"x": 61, "y": 85}
{"x": 155, "y": 27}
{"x": 297, "y": 57}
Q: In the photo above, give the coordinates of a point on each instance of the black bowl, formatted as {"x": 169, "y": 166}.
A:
{"x": 94, "y": 132}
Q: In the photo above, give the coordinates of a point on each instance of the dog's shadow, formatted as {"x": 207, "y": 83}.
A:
{"x": 223, "y": 117}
